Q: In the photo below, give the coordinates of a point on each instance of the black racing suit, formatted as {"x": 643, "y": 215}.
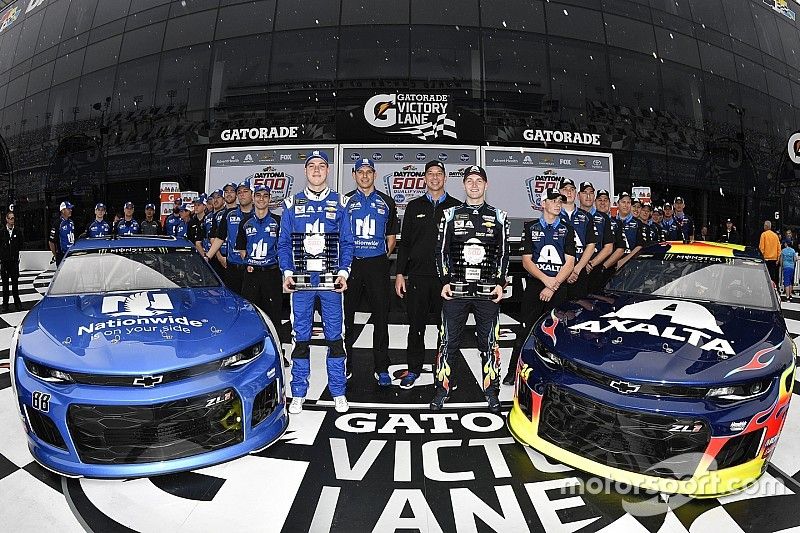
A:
{"x": 479, "y": 235}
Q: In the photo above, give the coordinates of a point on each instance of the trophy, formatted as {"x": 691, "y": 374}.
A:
{"x": 474, "y": 265}
{"x": 316, "y": 255}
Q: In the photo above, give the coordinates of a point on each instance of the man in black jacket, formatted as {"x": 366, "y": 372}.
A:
{"x": 729, "y": 234}
{"x": 415, "y": 260}
{"x": 11, "y": 242}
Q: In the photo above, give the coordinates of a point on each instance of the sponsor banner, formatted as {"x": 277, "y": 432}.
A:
{"x": 519, "y": 176}
{"x": 8, "y": 17}
{"x": 642, "y": 194}
{"x": 544, "y": 136}
{"x": 400, "y": 168}
{"x": 266, "y": 133}
{"x": 281, "y": 168}
{"x": 419, "y": 116}
{"x": 780, "y": 6}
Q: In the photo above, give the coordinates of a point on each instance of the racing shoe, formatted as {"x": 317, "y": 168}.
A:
{"x": 408, "y": 380}
{"x": 384, "y": 380}
{"x": 439, "y": 398}
{"x": 493, "y": 401}
{"x": 340, "y": 404}
{"x": 296, "y": 407}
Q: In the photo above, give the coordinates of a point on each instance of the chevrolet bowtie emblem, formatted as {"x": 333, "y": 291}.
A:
{"x": 624, "y": 387}
{"x": 148, "y": 381}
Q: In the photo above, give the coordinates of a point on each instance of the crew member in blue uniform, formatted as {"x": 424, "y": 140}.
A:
{"x": 228, "y": 203}
{"x": 99, "y": 227}
{"x": 127, "y": 225}
{"x": 181, "y": 228}
{"x": 548, "y": 256}
{"x": 604, "y": 245}
{"x": 651, "y": 233}
{"x": 62, "y": 232}
{"x": 684, "y": 222}
{"x": 609, "y": 266}
{"x": 227, "y": 232}
{"x": 657, "y": 217}
{"x": 311, "y": 214}
{"x": 372, "y": 216}
{"x": 216, "y": 203}
{"x": 670, "y": 228}
{"x": 632, "y": 228}
{"x": 478, "y": 233}
{"x": 174, "y": 218}
{"x": 585, "y": 239}
{"x": 257, "y": 245}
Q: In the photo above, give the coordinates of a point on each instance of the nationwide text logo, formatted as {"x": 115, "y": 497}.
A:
{"x": 424, "y": 116}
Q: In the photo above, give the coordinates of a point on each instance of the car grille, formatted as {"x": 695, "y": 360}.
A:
{"x": 265, "y": 403}
{"x": 738, "y": 450}
{"x": 45, "y": 428}
{"x": 646, "y": 389}
{"x": 105, "y": 434}
{"x": 629, "y": 440}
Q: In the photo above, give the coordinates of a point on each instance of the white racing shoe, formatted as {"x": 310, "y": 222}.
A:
{"x": 340, "y": 404}
{"x": 296, "y": 407}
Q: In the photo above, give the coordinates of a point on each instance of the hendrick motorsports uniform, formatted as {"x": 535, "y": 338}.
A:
{"x": 195, "y": 231}
{"x": 671, "y": 230}
{"x": 98, "y": 228}
{"x": 483, "y": 232}
{"x": 62, "y": 235}
{"x": 216, "y": 220}
{"x": 227, "y": 230}
{"x": 311, "y": 213}
{"x": 634, "y": 232}
{"x": 208, "y": 233}
{"x": 172, "y": 220}
{"x": 372, "y": 218}
{"x": 127, "y": 227}
{"x": 685, "y": 225}
{"x": 605, "y": 235}
{"x": 261, "y": 283}
{"x": 618, "y": 237}
{"x": 583, "y": 225}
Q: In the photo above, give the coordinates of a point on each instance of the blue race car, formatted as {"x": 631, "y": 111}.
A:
{"x": 677, "y": 378}
{"x": 138, "y": 361}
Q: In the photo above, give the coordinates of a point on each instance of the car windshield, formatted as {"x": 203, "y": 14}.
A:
{"x": 131, "y": 269}
{"x": 724, "y": 280}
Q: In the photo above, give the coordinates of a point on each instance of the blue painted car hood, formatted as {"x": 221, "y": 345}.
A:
{"x": 638, "y": 337}
{"x": 139, "y": 332}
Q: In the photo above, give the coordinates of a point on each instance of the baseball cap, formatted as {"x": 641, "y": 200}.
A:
{"x": 475, "y": 170}
{"x": 648, "y": 205}
{"x": 667, "y": 204}
{"x": 317, "y": 154}
{"x": 65, "y": 205}
{"x": 218, "y": 192}
{"x": 186, "y": 207}
{"x": 177, "y": 200}
{"x": 128, "y": 205}
{"x": 622, "y": 195}
{"x": 365, "y": 162}
{"x": 150, "y": 206}
{"x": 677, "y": 199}
{"x": 728, "y": 220}
{"x": 245, "y": 184}
{"x": 552, "y": 194}
{"x": 659, "y": 210}
{"x": 602, "y": 192}
{"x": 565, "y": 182}
{"x": 232, "y": 185}
{"x": 101, "y": 205}
{"x": 259, "y": 188}
{"x": 434, "y": 163}
{"x": 586, "y": 185}
{"x": 201, "y": 199}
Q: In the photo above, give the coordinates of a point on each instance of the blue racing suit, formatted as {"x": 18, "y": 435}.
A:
{"x": 98, "y": 228}
{"x": 309, "y": 213}
{"x": 127, "y": 227}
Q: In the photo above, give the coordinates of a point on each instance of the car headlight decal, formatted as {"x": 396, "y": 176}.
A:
{"x": 742, "y": 391}
{"x": 546, "y": 356}
{"x": 242, "y": 357}
{"x": 47, "y": 374}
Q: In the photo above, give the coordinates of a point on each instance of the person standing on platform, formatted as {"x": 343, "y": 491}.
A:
{"x": 417, "y": 281}
{"x": 62, "y": 233}
{"x": 683, "y": 221}
{"x": 609, "y": 266}
{"x": 308, "y": 216}
{"x": 257, "y": 245}
{"x": 227, "y": 231}
{"x": 652, "y": 234}
{"x": 585, "y": 238}
{"x": 372, "y": 216}
{"x": 99, "y": 227}
{"x": 729, "y": 234}
{"x": 548, "y": 256}
{"x": 217, "y": 203}
{"x": 127, "y": 225}
{"x": 150, "y": 225}
{"x": 12, "y": 240}
{"x": 196, "y": 231}
{"x": 671, "y": 228}
{"x": 770, "y": 247}
{"x": 228, "y": 203}
{"x": 476, "y": 231}
{"x": 604, "y": 245}
{"x": 634, "y": 231}
{"x": 788, "y": 260}
{"x": 181, "y": 229}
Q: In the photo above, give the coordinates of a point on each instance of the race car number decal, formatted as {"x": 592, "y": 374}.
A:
{"x": 41, "y": 401}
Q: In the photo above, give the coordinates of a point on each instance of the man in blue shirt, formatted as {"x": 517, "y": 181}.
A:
{"x": 548, "y": 256}
{"x": 669, "y": 226}
{"x": 174, "y": 218}
{"x": 585, "y": 238}
{"x": 180, "y": 229}
{"x": 308, "y": 216}
{"x": 372, "y": 216}
{"x": 62, "y": 232}
{"x": 127, "y": 225}
{"x": 632, "y": 229}
{"x": 99, "y": 227}
{"x": 226, "y": 233}
{"x": 257, "y": 245}
{"x": 603, "y": 204}
{"x": 685, "y": 223}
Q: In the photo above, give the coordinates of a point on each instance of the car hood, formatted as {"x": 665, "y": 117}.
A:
{"x": 648, "y": 338}
{"x": 139, "y": 332}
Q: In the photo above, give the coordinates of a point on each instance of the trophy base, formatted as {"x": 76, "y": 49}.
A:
{"x": 327, "y": 282}
{"x": 473, "y": 291}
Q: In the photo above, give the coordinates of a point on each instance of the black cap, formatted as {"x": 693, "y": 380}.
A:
{"x": 636, "y": 201}
{"x": 622, "y": 195}
{"x": 475, "y": 170}
{"x": 648, "y": 205}
{"x": 728, "y": 220}
{"x": 564, "y": 182}
{"x": 677, "y": 199}
{"x": 585, "y": 185}
{"x": 553, "y": 194}
{"x": 434, "y": 163}
{"x": 602, "y": 192}
{"x": 667, "y": 204}
{"x": 659, "y": 210}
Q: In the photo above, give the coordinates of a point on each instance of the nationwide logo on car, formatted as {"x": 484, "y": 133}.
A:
{"x": 138, "y": 304}
{"x": 140, "y": 312}
{"x": 279, "y": 183}
{"x": 405, "y": 184}
{"x": 8, "y": 18}
{"x": 424, "y": 116}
